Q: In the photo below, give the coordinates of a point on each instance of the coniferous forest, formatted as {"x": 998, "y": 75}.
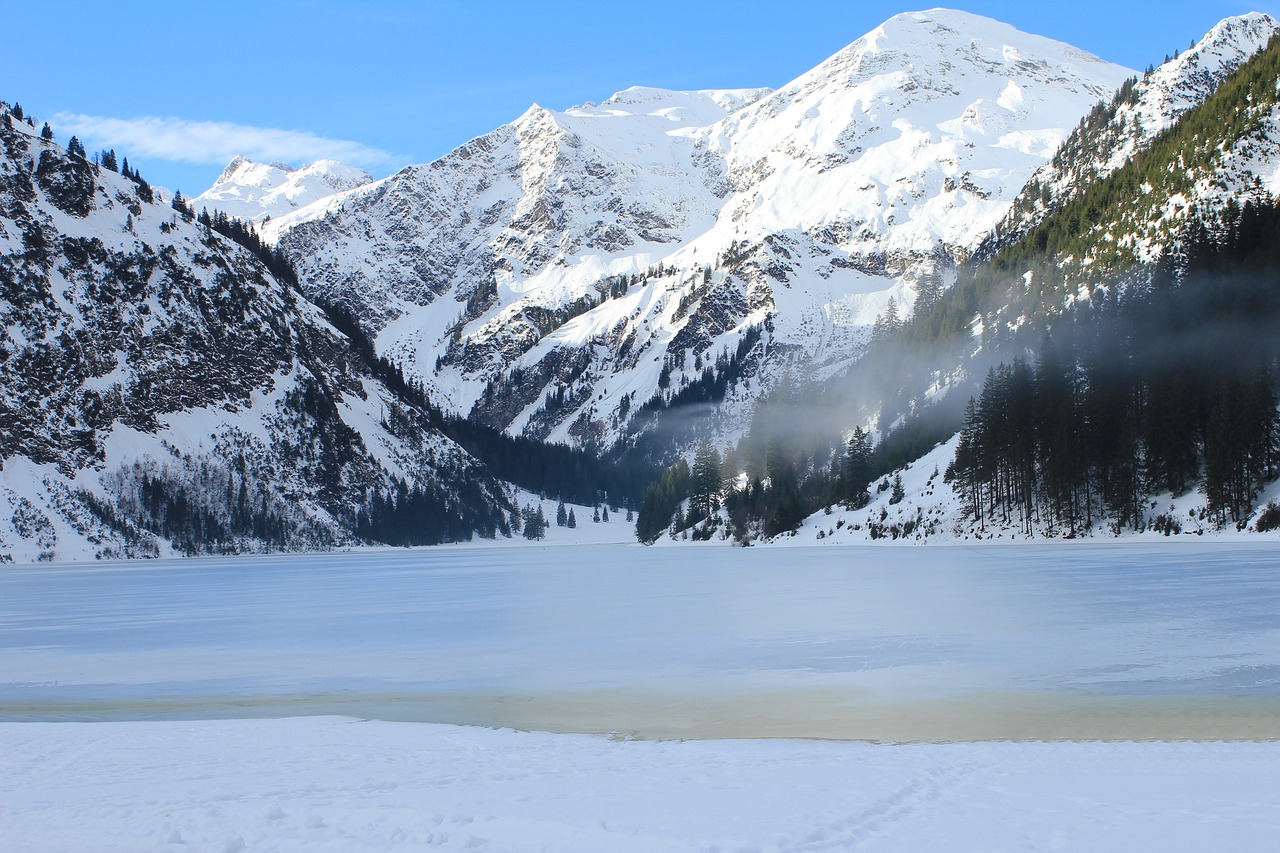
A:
{"x": 1146, "y": 389}
{"x": 1161, "y": 382}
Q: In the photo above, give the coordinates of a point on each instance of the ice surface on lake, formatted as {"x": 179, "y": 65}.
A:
{"x": 903, "y": 643}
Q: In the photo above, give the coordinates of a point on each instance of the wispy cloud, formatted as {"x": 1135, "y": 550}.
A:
{"x": 213, "y": 142}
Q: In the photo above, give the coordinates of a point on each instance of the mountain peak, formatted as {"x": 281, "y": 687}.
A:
{"x": 1248, "y": 22}
{"x": 1200, "y": 68}
{"x": 949, "y": 34}
{"x": 234, "y": 166}
{"x": 647, "y": 99}
{"x": 255, "y": 191}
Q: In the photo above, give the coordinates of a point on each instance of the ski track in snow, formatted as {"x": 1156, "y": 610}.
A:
{"x": 879, "y": 817}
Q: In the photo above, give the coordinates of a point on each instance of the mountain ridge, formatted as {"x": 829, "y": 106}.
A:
{"x": 165, "y": 393}
{"x": 630, "y": 278}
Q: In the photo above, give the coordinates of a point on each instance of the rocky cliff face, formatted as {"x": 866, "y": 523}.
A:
{"x": 162, "y": 391}
{"x": 557, "y": 274}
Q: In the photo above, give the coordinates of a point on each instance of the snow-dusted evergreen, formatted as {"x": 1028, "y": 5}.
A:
{"x": 555, "y": 275}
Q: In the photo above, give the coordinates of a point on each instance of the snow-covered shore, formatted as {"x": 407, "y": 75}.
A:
{"x": 339, "y": 784}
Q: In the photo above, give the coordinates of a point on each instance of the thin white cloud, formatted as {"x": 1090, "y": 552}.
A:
{"x": 212, "y": 142}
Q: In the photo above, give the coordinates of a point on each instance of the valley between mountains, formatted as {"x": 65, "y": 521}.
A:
{"x": 955, "y": 282}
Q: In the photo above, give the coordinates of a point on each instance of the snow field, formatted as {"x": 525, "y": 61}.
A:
{"x": 338, "y": 784}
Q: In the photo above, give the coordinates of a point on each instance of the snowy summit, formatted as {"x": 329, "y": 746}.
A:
{"x": 256, "y": 191}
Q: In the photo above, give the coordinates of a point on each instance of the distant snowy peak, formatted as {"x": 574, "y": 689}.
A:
{"x": 682, "y": 108}
{"x": 242, "y": 170}
{"x": 938, "y": 49}
{"x": 640, "y": 129}
{"x": 640, "y": 123}
{"x": 255, "y": 191}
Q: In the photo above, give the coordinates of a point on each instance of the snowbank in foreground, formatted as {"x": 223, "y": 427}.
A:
{"x": 324, "y": 784}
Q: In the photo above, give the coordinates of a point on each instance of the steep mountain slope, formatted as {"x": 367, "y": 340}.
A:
{"x": 1113, "y": 133}
{"x": 571, "y": 271}
{"x": 253, "y": 192}
{"x": 163, "y": 391}
{"x": 1196, "y": 173}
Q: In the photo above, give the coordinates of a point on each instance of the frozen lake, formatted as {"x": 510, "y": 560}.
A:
{"x": 899, "y": 643}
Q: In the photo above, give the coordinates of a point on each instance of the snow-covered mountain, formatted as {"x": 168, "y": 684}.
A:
{"x": 637, "y": 271}
{"x": 1112, "y": 133}
{"x": 253, "y": 192}
{"x": 553, "y": 276}
{"x": 1142, "y": 275}
{"x": 162, "y": 391}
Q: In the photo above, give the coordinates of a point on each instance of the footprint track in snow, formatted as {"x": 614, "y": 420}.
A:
{"x": 925, "y": 788}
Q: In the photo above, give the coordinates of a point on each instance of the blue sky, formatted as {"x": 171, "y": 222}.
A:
{"x": 175, "y": 86}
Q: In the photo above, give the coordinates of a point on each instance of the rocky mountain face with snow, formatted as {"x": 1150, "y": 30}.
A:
{"x": 163, "y": 392}
{"x": 571, "y": 274}
{"x": 255, "y": 192}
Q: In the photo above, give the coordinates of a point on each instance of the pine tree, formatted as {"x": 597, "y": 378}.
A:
{"x": 572, "y": 520}
{"x": 596, "y": 516}
{"x": 898, "y": 493}
{"x": 46, "y": 132}
{"x": 604, "y": 513}
{"x": 857, "y": 468}
{"x": 562, "y": 517}
{"x": 928, "y": 292}
{"x": 535, "y": 523}
{"x": 887, "y": 324}
{"x": 704, "y": 489}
